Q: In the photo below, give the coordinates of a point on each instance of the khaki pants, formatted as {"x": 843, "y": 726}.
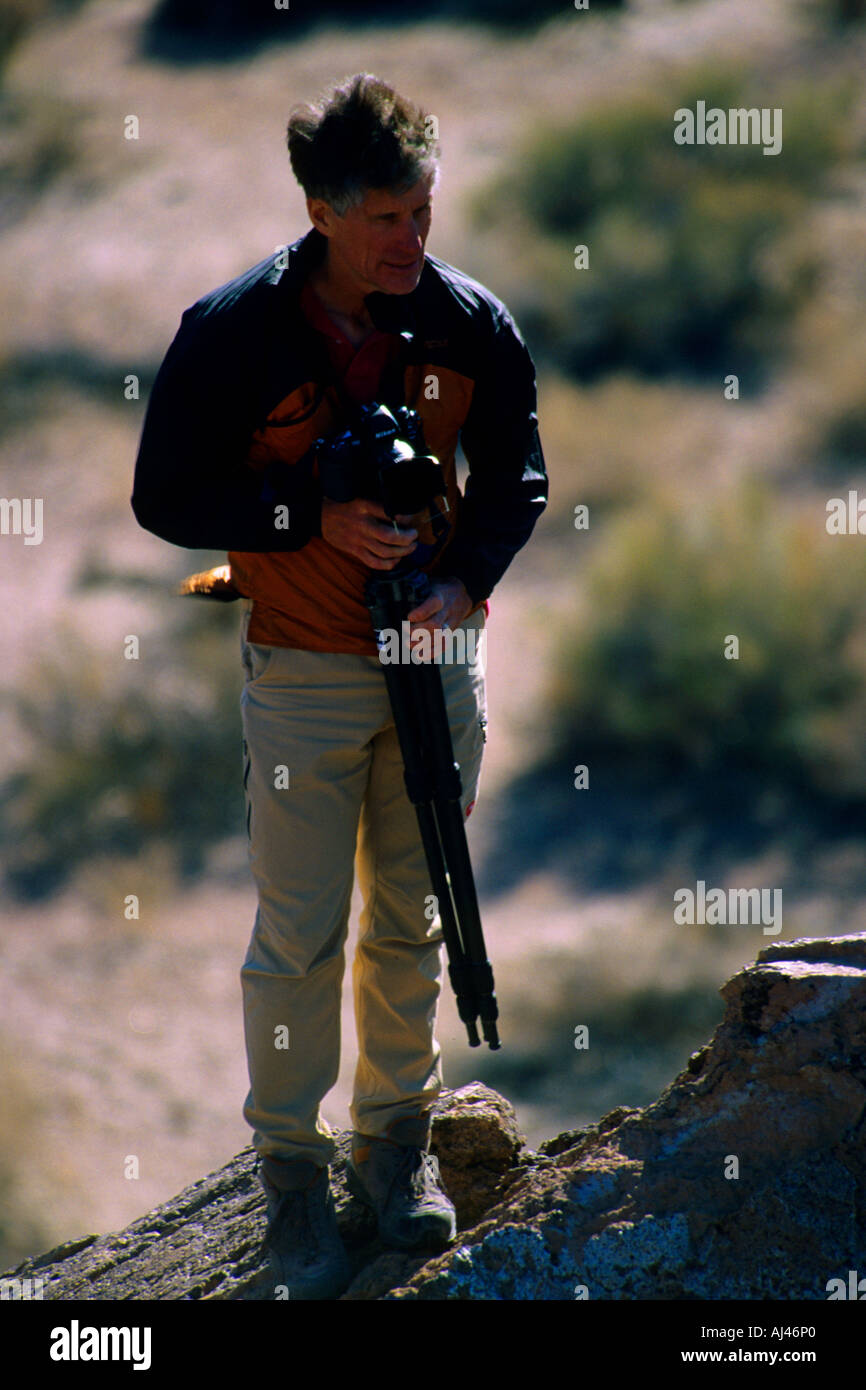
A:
{"x": 326, "y": 719}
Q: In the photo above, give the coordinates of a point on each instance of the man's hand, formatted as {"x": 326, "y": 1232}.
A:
{"x": 363, "y": 529}
{"x": 447, "y": 606}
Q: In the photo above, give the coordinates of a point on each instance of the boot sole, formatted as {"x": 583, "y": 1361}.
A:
{"x": 324, "y": 1288}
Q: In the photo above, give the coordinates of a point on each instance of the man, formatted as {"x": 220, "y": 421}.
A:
{"x": 260, "y": 371}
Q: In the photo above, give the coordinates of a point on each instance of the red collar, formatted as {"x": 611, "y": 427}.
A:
{"x": 317, "y": 315}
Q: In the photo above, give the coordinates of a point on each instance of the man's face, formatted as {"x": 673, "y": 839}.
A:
{"x": 379, "y": 245}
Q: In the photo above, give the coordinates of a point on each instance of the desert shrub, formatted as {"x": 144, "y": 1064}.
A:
{"x": 120, "y": 760}
{"x": 19, "y": 16}
{"x": 837, "y": 16}
{"x": 39, "y": 129}
{"x": 229, "y": 22}
{"x": 643, "y": 678}
{"x": 844, "y": 432}
{"x": 16, "y": 17}
{"x": 698, "y": 260}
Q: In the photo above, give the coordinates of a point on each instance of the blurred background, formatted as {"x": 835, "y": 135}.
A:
{"x": 123, "y": 1036}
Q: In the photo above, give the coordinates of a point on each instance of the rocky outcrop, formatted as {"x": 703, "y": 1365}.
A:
{"x": 205, "y": 1243}
{"x": 746, "y": 1179}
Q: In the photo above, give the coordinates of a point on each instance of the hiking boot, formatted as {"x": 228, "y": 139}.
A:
{"x": 399, "y": 1180}
{"x": 306, "y": 1252}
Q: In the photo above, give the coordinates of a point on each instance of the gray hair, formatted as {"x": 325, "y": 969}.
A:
{"x": 362, "y": 136}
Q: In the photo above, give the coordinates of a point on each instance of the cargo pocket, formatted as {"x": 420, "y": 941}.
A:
{"x": 470, "y": 773}
{"x": 247, "y": 800}
{"x": 255, "y": 660}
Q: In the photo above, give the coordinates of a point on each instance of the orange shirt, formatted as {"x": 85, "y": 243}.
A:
{"x": 313, "y": 598}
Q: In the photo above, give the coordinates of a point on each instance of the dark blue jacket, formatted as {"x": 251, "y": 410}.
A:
{"x": 245, "y": 348}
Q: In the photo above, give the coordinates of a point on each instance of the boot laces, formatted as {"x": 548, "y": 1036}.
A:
{"x": 421, "y": 1169}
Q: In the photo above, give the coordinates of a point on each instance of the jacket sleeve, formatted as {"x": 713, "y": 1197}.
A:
{"x": 192, "y": 486}
{"x": 507, "y": 487}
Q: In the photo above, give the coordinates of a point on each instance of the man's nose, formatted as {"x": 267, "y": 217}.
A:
{"x": 411, "y": 240}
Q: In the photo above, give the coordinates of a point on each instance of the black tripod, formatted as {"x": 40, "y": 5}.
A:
{"x": 434, "y": 787}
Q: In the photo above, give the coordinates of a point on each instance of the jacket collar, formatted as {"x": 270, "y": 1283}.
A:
{"x": 391, "y": 313}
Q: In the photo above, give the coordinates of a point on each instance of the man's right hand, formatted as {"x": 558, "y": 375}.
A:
{"x": 364, "y": 530}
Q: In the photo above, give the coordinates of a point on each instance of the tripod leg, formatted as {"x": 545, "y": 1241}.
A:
{"x": 447, "y": 790}
{"x": 434, "y": 787}
{"x": 419, "y": 788}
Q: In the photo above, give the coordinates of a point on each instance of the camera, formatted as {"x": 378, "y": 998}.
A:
{"x": 383, "y": 457}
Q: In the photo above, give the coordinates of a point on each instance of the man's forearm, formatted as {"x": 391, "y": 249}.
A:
{"x": 486, "y": 540}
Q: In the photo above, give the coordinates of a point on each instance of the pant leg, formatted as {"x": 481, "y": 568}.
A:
{"x": 315, "y": 714}
{"x": 398, "y": 963}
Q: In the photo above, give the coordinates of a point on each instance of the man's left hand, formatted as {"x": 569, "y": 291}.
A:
{"x": 446, "y": 606}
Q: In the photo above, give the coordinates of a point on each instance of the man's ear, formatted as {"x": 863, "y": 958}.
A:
{"x": 321, "y": 215}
